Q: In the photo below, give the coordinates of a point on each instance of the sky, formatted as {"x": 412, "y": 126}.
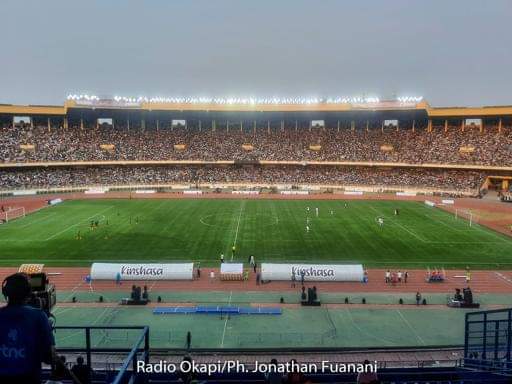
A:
{"x": 453, "y": 53}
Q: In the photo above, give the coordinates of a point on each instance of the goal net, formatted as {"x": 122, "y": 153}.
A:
{"x": 467, "y": 215}
{"x": 11, "y": 214}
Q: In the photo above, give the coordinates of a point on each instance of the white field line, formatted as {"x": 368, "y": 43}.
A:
{"x": 447, "y": 225}
{"x": 61, "y": 310}
{"x": 400, "y": 225}
{"x": 74, "y": 290}
{"x": 79, "y": 332}
{"x": 237, "y": 226}
{"x": 477, "y": 227}
{"x": 32, "y": 212}
{"x": 38, "y": 220}
{"x": 362, "y": 331}
{"x": 80, "y": 222}
{"x": 226, "y": 322}
{"x": 466, "y": 230}
{"x": 503, "y": 277}
{"x": 272, "y": 217}
{"x": 411, "y": 328}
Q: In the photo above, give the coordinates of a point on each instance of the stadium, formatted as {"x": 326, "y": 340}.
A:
{"x": 265, "y": 192}
{"x": 331, "y": 229}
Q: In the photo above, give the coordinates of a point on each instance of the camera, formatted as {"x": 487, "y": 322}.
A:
{"x": 43, "y": 294}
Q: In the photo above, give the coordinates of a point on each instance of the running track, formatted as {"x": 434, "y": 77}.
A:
{"x": 72, "y": 279}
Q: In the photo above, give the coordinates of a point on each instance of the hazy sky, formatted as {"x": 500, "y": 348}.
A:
{"x": 452, "y": 52}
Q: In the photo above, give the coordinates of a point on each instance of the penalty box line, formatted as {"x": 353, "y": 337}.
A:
{"x": 399, "y": 225}
{"x": 433, "y": 241}
{"x": 80, "y": 222}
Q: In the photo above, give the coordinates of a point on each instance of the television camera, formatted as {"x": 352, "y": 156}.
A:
{"x": 43, "y": 295}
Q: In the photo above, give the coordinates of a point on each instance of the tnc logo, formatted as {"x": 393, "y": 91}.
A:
{"x": 12, "y": 352}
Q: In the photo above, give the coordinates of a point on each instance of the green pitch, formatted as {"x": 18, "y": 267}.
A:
{"x": 349, "y": 326}
{"x": 343, "y": 327}
{"x": 272, "y": 230}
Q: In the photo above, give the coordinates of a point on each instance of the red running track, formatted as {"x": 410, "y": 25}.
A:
{"x": 72, "y": 279}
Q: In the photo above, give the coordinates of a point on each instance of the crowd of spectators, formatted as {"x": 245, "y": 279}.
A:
{"x": 32, "y": 144}
{"x": 388, "y": 145}
{"x": 505, "y": 196}
{"x": 292, "y": 175}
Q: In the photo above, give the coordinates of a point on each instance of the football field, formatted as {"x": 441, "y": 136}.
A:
{"x": 272, "y": 230}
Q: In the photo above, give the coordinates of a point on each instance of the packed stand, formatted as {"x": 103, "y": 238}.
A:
{"x": 404, "y": 145}
{"x": 318, "y": 175}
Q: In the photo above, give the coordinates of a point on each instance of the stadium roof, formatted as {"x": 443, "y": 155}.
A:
{"x": 409, "y": 104}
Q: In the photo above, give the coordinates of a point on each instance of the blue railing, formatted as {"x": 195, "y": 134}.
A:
{"x": 133, "y": 356}
{"x": 488, "y": 340}
{"x": 139, "y": 350}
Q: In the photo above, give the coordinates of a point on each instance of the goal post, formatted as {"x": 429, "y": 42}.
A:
{"x": 466, "y": 214}
{"x": 11, "y": 214}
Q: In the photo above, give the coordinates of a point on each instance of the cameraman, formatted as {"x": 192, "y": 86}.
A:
{"x": 26, "y": 338}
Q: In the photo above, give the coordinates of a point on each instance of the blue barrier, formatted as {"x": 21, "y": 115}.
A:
{"x": 260, "y": 311}
{"x": 218, "y": 310}
{"x": 137, "y": 351}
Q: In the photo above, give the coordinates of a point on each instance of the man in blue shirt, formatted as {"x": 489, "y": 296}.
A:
{"x": 26, "y": 338}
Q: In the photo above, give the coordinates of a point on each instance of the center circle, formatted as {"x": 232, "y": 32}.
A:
{"x": 228, "y": 221}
